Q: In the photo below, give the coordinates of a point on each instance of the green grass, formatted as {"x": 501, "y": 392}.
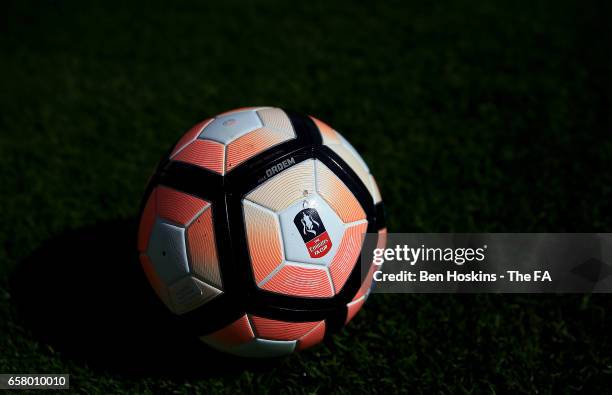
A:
{"x": 473, "y": 116}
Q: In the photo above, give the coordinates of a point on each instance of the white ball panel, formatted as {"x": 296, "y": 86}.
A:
{"x": 226, "y": 128}
{"x": 189, "y": 293}
{"x": 286, "y": 187}
{"x": 168, "y": 252}
{"x": 350, "y": 155}
{"x": 353, "y": 151}
{"x": 276, "y": 119}
{"x": 256, "y": 348}
{"x": 375, "y": 191}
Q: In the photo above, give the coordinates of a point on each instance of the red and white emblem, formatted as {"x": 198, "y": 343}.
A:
{"x": 312, "y": 230}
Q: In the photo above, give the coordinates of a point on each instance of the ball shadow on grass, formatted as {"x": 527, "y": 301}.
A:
{"x": 85, "y": 295}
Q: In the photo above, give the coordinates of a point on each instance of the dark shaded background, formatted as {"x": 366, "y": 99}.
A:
{"x": 474, "y": 116}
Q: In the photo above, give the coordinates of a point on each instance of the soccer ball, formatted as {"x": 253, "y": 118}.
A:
{"x": 252, "y": 228}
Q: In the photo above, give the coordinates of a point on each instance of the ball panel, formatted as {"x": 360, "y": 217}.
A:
{"x": 189, "y": 293}
{"x": 359, "y": 162}
{"x": 308, "y": 282}
{"x": 266, "y": 328}
{"x": 188, "y": 137}
{"x": 337, "y": 143}
{"x": 207, "y": 154}
{"x": 287, "y": 187}
{"x": 203, "y": 250}
{"x": 263, "y": 239}
{"x": 313, "y": 337}
{"x": 354, "y": 163}
{"x": 236, "y": 333}
{"x": 382, "y": 238}
{"x": 353, "y": 308}
{"x": 328, "y": 134}
{"x": 367, "y": 282}
{"x": 229, "y": 127}
{"x": 375, "y": 191}
{"x": 167, "y": 251}
{"x": 276, "y": 119}
{"x": 147, "y": 220}
{"x": 348, "y": 254}
{"x": 336, "y": 193}
{"x": 240, "y": 109}
{"x": 263, "y": 348}
{"x": 251, "y": 144}
{"x": 178, "y": 207}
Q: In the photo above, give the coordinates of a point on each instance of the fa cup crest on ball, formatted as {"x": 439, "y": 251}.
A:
{"x": 312, "y": 230}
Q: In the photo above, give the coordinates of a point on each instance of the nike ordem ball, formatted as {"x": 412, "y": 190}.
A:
{"x": 252, "y": 228}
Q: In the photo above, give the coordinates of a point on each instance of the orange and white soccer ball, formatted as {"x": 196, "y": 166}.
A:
{"x": 252, "y": 230}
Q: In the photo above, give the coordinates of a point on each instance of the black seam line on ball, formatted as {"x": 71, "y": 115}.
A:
{"x": 304, "y": 127}
{"x": 191, "y": 179}
{"x": 348, "y": 175}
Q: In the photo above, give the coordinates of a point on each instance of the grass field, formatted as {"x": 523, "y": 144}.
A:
{"x": 474, "y": 116}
